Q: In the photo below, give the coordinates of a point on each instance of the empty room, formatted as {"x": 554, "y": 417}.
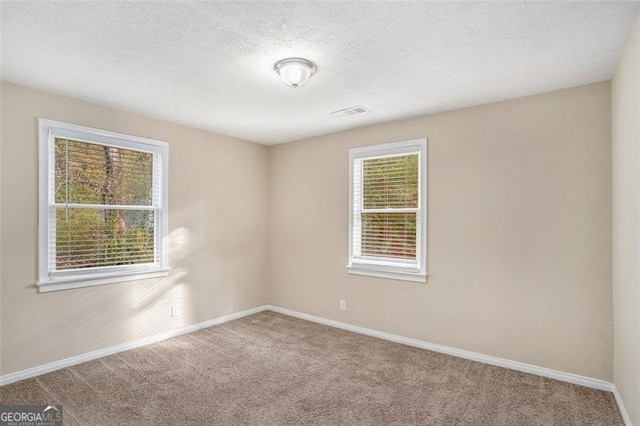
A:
{"x": 310, "y": 212}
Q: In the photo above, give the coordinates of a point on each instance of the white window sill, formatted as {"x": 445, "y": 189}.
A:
{"x": 390, "y": 274}
{"x": 66, "y": 283}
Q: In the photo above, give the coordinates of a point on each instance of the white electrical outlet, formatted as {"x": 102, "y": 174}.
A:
{"x": 343, "y": 305}
{"x": 174, "y": 311}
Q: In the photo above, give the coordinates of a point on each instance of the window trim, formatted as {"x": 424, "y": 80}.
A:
{"x": 63, "y": 280}
{"x": 383, "y": 267}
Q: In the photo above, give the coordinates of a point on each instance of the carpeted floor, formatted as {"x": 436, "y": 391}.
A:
{"x": 272, "y": 369}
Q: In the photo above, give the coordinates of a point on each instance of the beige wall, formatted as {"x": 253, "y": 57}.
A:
{"x": 626, "y": 225}
{"x": 519, "y": 233}
{"x": 519, "y": 243}
{"x": 218, "y": 206}
{"x": 1, "y": 235}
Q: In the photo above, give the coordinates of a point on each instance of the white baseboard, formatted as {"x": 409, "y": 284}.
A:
{"x": 621, "y": 407}
{"x": 474, "y": 356}
{"x": 78, "y": 359}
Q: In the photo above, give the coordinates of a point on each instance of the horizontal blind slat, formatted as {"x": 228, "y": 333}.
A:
{"x": 389, "y": 235}
{"x": 97, "y": 174}
{"x": 103, "y": 207}
{"x": 390, "y": 182}
{"x": 107, "y": 199}
{"x": 103, "y": 257}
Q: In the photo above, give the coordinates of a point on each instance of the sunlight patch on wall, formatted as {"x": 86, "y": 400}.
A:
{"x": 160, "y": 305}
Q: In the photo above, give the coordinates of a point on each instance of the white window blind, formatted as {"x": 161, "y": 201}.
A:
{"x": 105, "y": 201}
{"x": 389, "y": 206}
{"x": 387, "y": 214}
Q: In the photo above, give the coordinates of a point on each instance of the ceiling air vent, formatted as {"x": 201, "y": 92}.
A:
{"x": 348, "y": 112}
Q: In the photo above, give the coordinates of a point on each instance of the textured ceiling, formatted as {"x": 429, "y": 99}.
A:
{"x": 210, "y": 65}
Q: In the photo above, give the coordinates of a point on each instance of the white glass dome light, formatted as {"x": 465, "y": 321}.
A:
{"x": 295, "y": 72}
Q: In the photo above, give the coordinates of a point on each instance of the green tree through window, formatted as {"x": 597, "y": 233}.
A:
{"x": 389, "y": 183}
{"x": 97, "y": 189}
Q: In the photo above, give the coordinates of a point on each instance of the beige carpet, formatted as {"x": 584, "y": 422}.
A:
{"x": 273, "y": 369}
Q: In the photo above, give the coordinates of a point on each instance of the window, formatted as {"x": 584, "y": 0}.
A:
{"x": 387, "y": 220}
{"x": 102, "y": 207}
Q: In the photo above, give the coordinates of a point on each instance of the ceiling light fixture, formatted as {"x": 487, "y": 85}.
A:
{"x": 295, "y": 72}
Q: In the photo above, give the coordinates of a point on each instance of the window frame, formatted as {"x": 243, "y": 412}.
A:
{"x": 52, "y": 280}
{"x": 386, "y": 267}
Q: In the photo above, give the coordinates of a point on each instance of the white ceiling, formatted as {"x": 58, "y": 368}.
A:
{"x": 210, "y": 65}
